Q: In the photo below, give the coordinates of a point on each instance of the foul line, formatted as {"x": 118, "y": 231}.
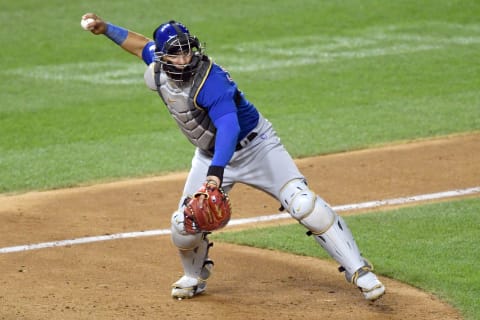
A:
{"x": 234, "y": 222}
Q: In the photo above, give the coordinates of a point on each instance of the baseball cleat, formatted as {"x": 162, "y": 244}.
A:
{"x": 368, "y": 283}
{"x": 188, "y": 287}
{"x": 370, "y": 286}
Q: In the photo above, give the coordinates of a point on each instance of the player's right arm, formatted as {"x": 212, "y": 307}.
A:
{"x": 128, "y": 40}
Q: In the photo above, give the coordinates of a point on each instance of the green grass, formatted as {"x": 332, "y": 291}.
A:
{"x": 433, "y": 247}
{"x": 331, "y": 75}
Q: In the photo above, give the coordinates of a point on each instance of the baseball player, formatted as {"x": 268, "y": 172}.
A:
{"x": 234, "y": 144}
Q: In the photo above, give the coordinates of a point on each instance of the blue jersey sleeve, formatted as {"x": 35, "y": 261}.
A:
{"x": 218, "y": 97}
{"x": 218, "y": 94}
{"x": 225, "y": 139}
{"x": 148, "y": 53}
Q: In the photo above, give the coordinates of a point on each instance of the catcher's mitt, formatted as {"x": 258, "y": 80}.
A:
{"x": 208, "y": 210}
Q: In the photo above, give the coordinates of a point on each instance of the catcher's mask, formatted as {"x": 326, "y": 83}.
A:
{"x": 173, "y": 38}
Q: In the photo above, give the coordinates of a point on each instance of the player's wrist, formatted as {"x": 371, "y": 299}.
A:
{"x": 115, "y": 33}
{"x": 216, "y": 171}
{"x": 211, "y": 183}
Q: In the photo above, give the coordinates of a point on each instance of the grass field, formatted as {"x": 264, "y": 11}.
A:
{"x": 350, "y": 74}
{"x": 331, "y": 75}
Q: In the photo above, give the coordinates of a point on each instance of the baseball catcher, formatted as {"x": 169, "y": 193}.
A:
{"x": 234, "y": 143}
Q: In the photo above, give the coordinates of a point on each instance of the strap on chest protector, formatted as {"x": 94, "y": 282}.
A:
{"x": 198, "y": 80}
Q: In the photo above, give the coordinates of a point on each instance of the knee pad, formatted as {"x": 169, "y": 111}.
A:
{"x": 181, "y": 239}
{"x": 306, "y": 207}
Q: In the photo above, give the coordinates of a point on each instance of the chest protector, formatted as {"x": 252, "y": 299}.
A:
{"x": 180, "y": 99}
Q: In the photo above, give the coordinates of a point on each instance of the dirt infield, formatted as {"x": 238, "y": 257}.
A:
{"x": 130, "y": 278}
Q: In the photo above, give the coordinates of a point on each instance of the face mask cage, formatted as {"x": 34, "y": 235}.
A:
{"x": 180, "y": 45}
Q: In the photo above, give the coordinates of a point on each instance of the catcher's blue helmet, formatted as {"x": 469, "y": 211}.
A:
{"x": 174, "y": 37}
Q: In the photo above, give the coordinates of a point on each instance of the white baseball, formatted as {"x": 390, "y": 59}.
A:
{"x": 85, "y": 22}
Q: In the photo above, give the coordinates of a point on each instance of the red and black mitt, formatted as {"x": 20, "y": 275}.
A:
{"x": 208, "y": 210}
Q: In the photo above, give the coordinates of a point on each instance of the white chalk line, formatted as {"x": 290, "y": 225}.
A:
{"x": 236, "y": 222}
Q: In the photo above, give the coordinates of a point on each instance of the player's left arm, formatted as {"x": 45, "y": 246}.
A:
{"x": 226, "y": 137}
{"x": 218, "y": 97}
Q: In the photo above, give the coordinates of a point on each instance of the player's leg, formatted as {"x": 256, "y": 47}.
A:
{"x": 193, "y": 252}
{"x": 271, "y": 169}
{"x": 192, "y": 249}
{"x": 332, "y": 233}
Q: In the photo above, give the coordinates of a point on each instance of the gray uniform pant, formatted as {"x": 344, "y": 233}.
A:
{"x": 263, "y": 163}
